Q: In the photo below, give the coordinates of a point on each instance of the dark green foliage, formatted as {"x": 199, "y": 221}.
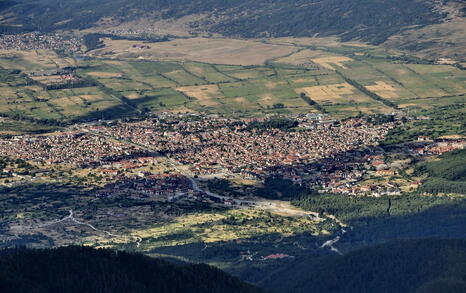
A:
{"x": 93, "y": 41}
{"x": 312, "y": 103}
{"x": 220, "y": 185}
{"x": 378, "y": 119}
{"x": 277, "y": 123}
{"x": 444, "y": 120}
{"x": 440, "y": 185}
{"x": 443, "y": 285}
{"x": 70, "y": 84}
{"x": 451, "y": 166}
{"x": 400, "y": 266}
{"x": 279, "y": 188}
{"x": 369, "y": 20}
{"x": 81, "y": 269}
{"x": 447, "y": 175}
{"x": 349, "y": 208}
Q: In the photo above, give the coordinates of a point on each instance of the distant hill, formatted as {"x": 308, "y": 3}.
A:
{"x": 432, "y": 265}
{"x": 80, "y": 269}
{"x": 368, "y": 20}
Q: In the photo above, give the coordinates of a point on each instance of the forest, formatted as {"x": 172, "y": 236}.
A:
{"x": 409, "y": 266}
{"x": 246, "y": 18}
{"x": 84, "y": 269}
{"x": 446, "y": 175}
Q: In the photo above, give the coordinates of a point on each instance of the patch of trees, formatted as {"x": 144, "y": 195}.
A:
{"x": 280, "y": 188}
{"x": 21, "y": 117}
{"x": 83, "y": 269}
{"x": 447, "y": 175}
{"x": 351, "y": 208}
{"x": 440, "y": 185}
{"x": 312, "y": 103}
{"x": 224, "y": 187}
{"x": 70, "y": 84}
{"x": 378, "y": 119}
{"x": 94, "y": 41}
{"x": 444, "y": 120}
{"x": 370, "y": 20}
{"x": 276, "y": 123}
{"x": 278, "y": 106}
{"x": 408, "y": 266}
{"x": 451, "y": 166}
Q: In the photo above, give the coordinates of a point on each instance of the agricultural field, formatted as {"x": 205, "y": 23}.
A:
{"x": 199, "y": 74}
{"x": 33, "y": 60}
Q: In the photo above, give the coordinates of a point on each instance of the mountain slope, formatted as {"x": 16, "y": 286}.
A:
{"x": 81, "y": 269}
{"x": 400, "y": 266}
{"x": 368, "y": 20}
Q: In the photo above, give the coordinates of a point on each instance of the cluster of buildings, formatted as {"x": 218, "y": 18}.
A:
{"x": 338, "y": 157}
{"x": 40, "y": 41}
{"x": 54, "y": 77}
{"x": 427, "y": 146}
{"x": 73, "y": 148}
{"x": 217, "y": 145}
{"x": 162, "y": 186}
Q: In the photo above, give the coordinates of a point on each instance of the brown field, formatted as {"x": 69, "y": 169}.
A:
{"x": 209, "y": 50}
{"x": 133, "y": 96}
{"x": 274, "y": 84}
{"x": 7, "y": 92}
{"x": 205, "y": 94}
{"x": 302, "y": 57}
{"x": 407, "y": 105}
{"x": 329, "y": 60}
{"x": 335, "y": 93}
{"x": 383, "y": 89}
{"x": 324, "y": 41}
{"x": 241, "y": 100}
{"x": 92, "y": 98}
{"x": 199, "y": 70}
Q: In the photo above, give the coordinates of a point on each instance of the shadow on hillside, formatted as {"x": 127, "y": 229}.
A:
{"x": 133, "y": 109}
{"x": 446, "y": 221}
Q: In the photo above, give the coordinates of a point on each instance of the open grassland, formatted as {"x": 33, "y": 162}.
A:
{"x": 208, "y": 50}
{"x": 215, "y": 227}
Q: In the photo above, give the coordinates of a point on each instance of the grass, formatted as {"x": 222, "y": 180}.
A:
{"x": 213, "y": 227}
{"x": 180, "y": 85}
{"x": 9, "y": 127}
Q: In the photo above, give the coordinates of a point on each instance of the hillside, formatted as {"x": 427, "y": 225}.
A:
{"x": 80, "y": 269}
{"x": 448, "y": 174}
{"x": 432, "y": 265}
{"x": 369, "y": 20}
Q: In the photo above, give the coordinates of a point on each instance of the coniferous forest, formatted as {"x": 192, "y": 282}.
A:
{"x": 83, "y": 269}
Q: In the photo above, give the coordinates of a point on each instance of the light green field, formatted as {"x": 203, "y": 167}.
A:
{"x": 126, "y": 86}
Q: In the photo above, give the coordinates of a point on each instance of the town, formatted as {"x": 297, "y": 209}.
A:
{"x": 40, "y": 41}
{"x": 158, "y": 157}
